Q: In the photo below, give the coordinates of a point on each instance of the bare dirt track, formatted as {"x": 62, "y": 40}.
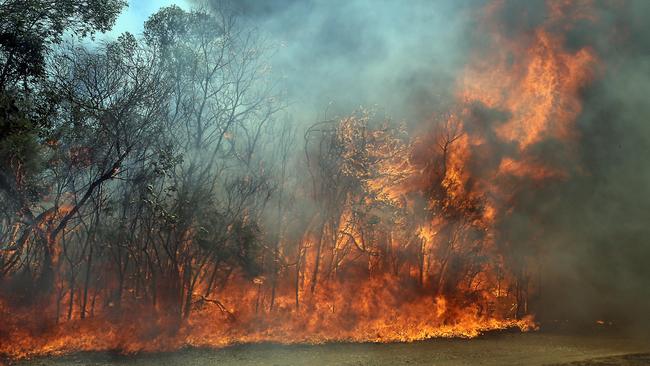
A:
{"x": 496, "y": 349}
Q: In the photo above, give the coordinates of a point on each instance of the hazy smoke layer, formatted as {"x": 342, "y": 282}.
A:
{"x": 598, "y": 223}
{"x": 338, "y": 55}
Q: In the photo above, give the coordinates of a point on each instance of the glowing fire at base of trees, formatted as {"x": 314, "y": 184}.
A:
{"x": 405, "y": 241}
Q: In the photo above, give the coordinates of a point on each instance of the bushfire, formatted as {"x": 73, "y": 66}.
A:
{"x": 407, "y": 239}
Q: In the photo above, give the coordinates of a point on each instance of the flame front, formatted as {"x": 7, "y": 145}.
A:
{"x": 413, "y": 251}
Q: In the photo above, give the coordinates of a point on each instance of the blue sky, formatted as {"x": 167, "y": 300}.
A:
{"x": 138, "y": 11}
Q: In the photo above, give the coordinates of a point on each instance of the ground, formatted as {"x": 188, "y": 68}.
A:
{"x": 537, "y": 348}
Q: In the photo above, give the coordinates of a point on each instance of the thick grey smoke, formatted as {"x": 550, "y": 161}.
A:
{"x": 599, "y": 223}
{"x": 335, "y": 56}
{"x": 403, "y": 57}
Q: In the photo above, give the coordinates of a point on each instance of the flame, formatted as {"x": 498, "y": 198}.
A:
{"x": 439, "y": 274}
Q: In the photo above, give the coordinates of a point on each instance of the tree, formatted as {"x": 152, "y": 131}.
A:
{"x": 30, "y": 28}
{"x": 29, "y": 32}
{"x": 110, "y": 103}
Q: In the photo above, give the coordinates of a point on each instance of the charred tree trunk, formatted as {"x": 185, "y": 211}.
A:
{"x": 297, "y": 281}
{"x": 84, "y": 298}
{"x": 314, "y": 278}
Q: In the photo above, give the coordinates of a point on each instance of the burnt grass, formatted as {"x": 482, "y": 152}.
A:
{"x": 592, "y": 347}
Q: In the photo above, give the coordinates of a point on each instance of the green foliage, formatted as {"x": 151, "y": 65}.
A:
{"x": 30, "y": 27}
{"x": 28, "y": 30}
{"x": 172, "y": 26}
{"x": 166, "y": 27}
{"x": 20, "y": 151}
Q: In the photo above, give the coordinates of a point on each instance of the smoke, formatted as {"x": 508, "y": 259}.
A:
{"x": 403, "y": 59}
{"x": 598, "y": 228}
{"x": 335, "y": 56}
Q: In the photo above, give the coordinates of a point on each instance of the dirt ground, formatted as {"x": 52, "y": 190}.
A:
{"x": 495, "y": 349}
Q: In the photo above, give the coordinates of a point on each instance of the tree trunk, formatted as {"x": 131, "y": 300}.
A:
{"x": 84, "y": 298}
{"x": 319, "y": 246}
